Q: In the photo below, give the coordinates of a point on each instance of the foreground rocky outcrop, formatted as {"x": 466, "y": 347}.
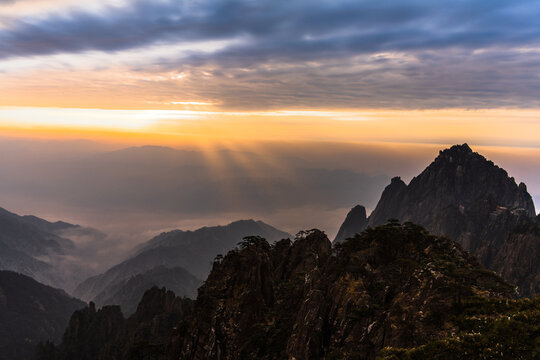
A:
{"x": 469, "y": 199}
{"x": 391, "y": 287}
{"x": 105, "y": 334}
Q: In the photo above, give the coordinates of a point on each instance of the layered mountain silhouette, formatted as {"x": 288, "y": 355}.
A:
{"x": 355, "y": 222}
{"x": 43, "y": 250}
{"x": 128, "y": 293}
{"x": 31, "y": 312}
{"x": 413, "y": 287}
{"x": 26, "y": 240}
{"x": 394, "y": 291}
{"x": 469, "y": 199}
{"x": 188, "y": 254}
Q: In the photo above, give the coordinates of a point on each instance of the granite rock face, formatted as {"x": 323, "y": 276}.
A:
{"x": 457, "y": 180}
{"x": 105, "y": 334}
{"x": 469, "y": 199}
{"x": 391, "y": 286}
{"x": 355, "y": 222}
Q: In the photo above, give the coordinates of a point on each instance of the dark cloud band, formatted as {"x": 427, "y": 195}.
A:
{"x": 463, "y": 53}
{"x": 292, "y": 29}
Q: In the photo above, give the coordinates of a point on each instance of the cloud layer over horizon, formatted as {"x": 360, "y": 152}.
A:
{"x": 245, "y": 54}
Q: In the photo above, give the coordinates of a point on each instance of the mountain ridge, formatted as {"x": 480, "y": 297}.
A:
{"x": 391, "y": 287}
{"x": 193, "y": 251}
{"x": 471, "y": 200}
{"x": 31, "y": 312}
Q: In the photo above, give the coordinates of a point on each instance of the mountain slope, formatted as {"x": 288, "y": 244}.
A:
{"x": 392, "y": 286}
{"x": 45, "y": 250}
{"x": 31, "y": 235}
{"x": 191, "y": 250}
{"x": 355, "y": 223}
{"x": 28, "y": 242}
{"x": 128, "y": 293}
{"x": 474, "y": 202}
{"x": 30, "y": 312}
{"x": 456, "y": 181}
{"x": 105, "y": 334}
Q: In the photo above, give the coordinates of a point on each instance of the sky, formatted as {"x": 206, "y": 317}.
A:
{"x": 354, "y": 91}
{"x": 188, "y": 71}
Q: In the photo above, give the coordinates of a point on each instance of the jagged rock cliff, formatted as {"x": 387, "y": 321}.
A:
{"x": 355, "y": 222}
{"x": 456, "y": 181}
{"x": 474, "y": 202}
{"x": 390, "y": 286}
{"x": 395, "y": 285}
{"x": 104, "y": 334}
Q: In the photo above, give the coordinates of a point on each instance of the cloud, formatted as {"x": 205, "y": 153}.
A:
{"x": 401, "y": 54}
{"x": 281, "y": 30}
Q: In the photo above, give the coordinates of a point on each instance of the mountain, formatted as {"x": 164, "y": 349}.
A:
{"x": 27, "y": 242}
{"x": 355, "y": 222}
{"x": 105, "y": 334}
{"x": 193, "y": 251}
{"x": 31, "y": 235}
{"x": 468, "y": 198}
{"x": 30, "y": 312}
{"x": 45, "y": 250}
{"x": 453, "y": 184}
{"x": 391, "y": 291}
{"x": 129, "y": 292}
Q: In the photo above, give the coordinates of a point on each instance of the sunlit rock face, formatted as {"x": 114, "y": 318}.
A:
{"x": 466, "y": 197}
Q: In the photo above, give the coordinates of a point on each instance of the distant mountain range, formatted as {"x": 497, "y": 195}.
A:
{"x": 44, "y": 250}
{"x": 188, "y": 253}
{"x": 28, "y": 242}
{"x": 128, "y": 292}
{"x": 472, "y": 201}
{"x": 31, "y": 312}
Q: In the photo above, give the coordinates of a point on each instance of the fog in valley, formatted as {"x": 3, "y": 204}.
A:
{"x": 128, "y": 194}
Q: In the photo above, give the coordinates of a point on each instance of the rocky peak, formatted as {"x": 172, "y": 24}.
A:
{"x": 458, "y": 149}
{"x": 471, "y": 200}
{"x": 155, "y": 301}
{"x": 457, "y": 179}
{"x": 355, "y": 222}
{"x": 389, "y": 205}
{"x": 343, "y": 303}
{"x": 390, "y": 286}
{"x": 396, "y": 181}
{"x": 104, "y": 334}
{"x": 459, "y": 176}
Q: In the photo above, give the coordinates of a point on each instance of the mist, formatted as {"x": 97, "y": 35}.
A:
{"x": 132, "y": 193}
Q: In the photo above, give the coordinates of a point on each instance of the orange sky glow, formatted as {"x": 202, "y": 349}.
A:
{"x": 176, "y": 127}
